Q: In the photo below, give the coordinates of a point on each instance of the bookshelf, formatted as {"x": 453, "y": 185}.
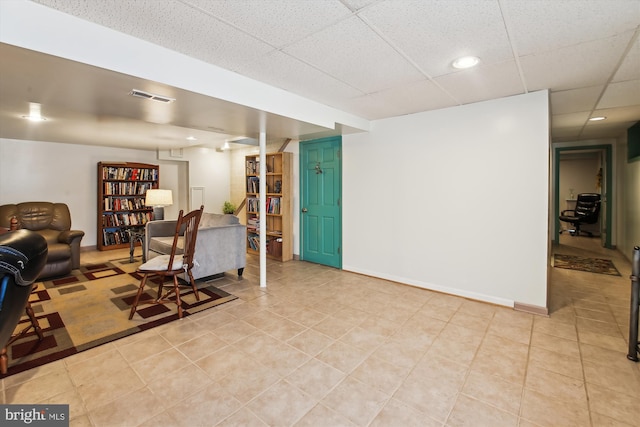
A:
{"x": 121, "y": 195}
{"x": 278, "y": 214}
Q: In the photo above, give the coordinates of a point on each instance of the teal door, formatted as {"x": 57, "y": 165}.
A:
{"x": 320, "y": 204}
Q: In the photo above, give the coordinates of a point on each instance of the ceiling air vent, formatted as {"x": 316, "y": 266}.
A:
{"x": 152, "y": 96}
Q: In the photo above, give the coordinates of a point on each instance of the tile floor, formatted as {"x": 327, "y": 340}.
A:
{"x": 322, "y": 347}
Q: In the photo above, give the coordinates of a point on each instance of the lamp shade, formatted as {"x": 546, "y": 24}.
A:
{"x": 157, "y": 197}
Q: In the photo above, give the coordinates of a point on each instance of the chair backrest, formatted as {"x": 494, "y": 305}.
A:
{"x": 588, "y": 207}
{"x": 187, "y": 227}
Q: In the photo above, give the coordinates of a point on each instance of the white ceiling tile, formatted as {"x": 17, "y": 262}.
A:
{"x": 278, "y": 22}
{"x": 477, "y": 84}
{"x": 603, "y": 130}
{"x": 574, "y": 66}
{"x": 566, "y": 133}
{"x": 434, "y": 33}
{"x": 621, "y": 94}
{"x": 619, "y": 114}
{"x": 350, "y": 51}
{"x": 409, "y": 98}
{"x": 281, "y": 70}
{"x": 583, "y": 99}
{"x": 569, "y": 120}
{"x": 630, "y": 67}
{"x": 542, "y": 25}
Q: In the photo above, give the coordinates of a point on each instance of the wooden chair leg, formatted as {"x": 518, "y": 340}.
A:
{"x": 137, "y": 298}
{"x": 3, "y": 361}
{"x": 193, "y": 285}
{"x": 176, "y": 289}
{"x": 34, "y": 321}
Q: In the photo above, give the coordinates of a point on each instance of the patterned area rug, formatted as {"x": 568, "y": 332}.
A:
{"x": 91, "y": 307}
{"x": 591, "y": 265}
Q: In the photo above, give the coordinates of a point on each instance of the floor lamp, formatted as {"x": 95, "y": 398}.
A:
{"x": 158, "y": 199}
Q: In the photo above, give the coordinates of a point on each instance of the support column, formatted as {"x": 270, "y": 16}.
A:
{"x": 263, "y": 209}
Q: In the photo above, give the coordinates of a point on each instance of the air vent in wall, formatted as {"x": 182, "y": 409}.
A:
{"x": 146, "y": 95}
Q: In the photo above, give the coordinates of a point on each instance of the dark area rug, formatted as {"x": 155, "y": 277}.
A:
{"x": 591, "y": 265}
{"x": 91, "y": 307}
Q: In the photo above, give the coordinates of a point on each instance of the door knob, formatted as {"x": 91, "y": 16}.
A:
{"x": 304, "y": 210}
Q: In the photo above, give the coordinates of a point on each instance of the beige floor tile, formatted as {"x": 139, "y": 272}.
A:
{"x": 624, "y": 379}
{"x": 396, "y": 413}
{"x": 316, "y": 378}
{"x": 555, "y": 362}
{"x": 547, "y": 411}
{"x": 282, "y": 404}
{"x": 434, "y": 399}
{"x": 143, "y": 348}
{"x": 556, "y": 344}
{"x": 342, "y": 356}
{"x": 283, "y": 359}
{"x": 320, "y": 415}
{"x": 168, "y": 361}
{"x": 182, "y": 331}
{"x": 207, "y": 408}
{"x": 380, "y": 374}
{"x": 356, "y": 401}
{"x": 179, "y": 384}
{"x": 599, "y": 420}
{"x": 162, "y": 419}
{"x": 243, "y": 417}
{"x": 249, "y": 382}
{"x": 494, "y": 390}
{"x": 556, "y": 386}
{"x": 121, "y": 382}
{"x": 129, "y": 410}
{"x": 235, "y": 331}
{"x": 201, "y": 346}
{"x": 615, "y": 405}
{"x": 471, "y": 412}
{"x": 310, "y": 341}
{"x": 81, "y": 421}
{"x": 223, "y": 362}
{"x": 551, "y": 326}
{"x": 40, "y": 388}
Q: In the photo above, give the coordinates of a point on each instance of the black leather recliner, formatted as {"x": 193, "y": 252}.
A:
{"x": 23, "y": 255}
{"x": 587, "y": 211}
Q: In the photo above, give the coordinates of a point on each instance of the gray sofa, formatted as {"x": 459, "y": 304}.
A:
{"x": 220, "y": 244}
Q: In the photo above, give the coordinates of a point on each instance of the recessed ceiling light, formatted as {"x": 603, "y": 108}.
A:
{"x": 34, "y": 113}
{"x": 466, "y": 62}
{"x": 597, "y": 119}
{"x": 192, "y": 138}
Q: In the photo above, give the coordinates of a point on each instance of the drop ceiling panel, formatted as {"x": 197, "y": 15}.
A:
{"x": 574, "y": 66}
{"x": 409, "y": 98}
{"x": 630, "y": 67}
{"x": 283, "y": 71}
{"x": 476, "y": 84}
{"x": 433, "y": 34}
{"x": 621, "y": 94}
{"x": 543, "y": 25}
{"x": 583, "y": 99}
{"x": 619, "y": 114}
{"x": 354, "y": 54}
{"x": 298, "y": 19}
{"x": 569, "y": 120}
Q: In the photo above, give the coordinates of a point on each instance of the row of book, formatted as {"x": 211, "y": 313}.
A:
{"x": 273, "y": 205}
{"x": 114, "y": 237}
{"x": 133, "y": 174}
{"x": 253, "y": 167}
{"x": 253, "y": 184}
{"x": 126, "y": 219}
{"x": 254, "y": 241}
{"x": 127, "y": 188}
{"x": 124, "y": 204}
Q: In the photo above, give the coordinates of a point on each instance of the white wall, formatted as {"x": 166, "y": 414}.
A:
{"x": 629, "y": 201}
{"x": 454, "y": 200}
{"x": 67, "y": 173}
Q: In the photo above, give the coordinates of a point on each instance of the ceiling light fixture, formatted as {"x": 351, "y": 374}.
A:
{"x": 466, "y": 62}
{"x": 597, "y": 118}
{"x": 34, "y": 113}
{"x": 192, "y": 138}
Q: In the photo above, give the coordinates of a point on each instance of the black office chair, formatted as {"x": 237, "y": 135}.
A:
{"x": 587, "y": 211}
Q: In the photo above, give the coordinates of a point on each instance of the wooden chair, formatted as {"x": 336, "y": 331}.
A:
{"x": 179, "y": 261}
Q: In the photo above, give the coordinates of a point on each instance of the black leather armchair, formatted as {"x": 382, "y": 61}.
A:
{"x": 587, "y": 211}
{"x": 23, "y": 255}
